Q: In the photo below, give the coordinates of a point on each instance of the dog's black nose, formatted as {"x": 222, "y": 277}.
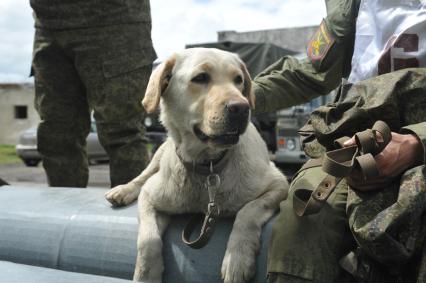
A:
{"x": 237, "y": 108}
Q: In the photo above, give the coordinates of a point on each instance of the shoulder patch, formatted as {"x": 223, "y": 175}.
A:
{"x": 320, "y": 43}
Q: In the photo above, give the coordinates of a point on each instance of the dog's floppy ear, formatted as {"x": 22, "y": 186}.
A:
{"x": 248, "y": 91}
{"x": 157, "y": 84}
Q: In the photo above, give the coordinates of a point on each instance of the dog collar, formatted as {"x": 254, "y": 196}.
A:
{"x": 205, "y": 168}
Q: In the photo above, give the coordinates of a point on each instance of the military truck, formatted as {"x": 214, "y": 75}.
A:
{"x": 289, "y": 121}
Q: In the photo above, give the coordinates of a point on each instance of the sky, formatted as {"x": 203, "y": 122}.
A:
{"x": 175, "y": 24}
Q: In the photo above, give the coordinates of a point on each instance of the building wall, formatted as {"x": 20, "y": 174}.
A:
{"x": 11, "y": 96}
{"x": 295, "y": 39}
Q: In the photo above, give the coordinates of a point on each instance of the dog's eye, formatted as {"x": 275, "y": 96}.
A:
{"x": 202, "y": 78}
{"x": 238, "y": 80}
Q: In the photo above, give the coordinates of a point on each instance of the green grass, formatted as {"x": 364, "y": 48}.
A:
{"x": 8, "y": 154}
{"x": 149, "y": 146}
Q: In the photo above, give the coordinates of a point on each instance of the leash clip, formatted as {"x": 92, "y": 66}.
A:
{"x": 213, "y": 184}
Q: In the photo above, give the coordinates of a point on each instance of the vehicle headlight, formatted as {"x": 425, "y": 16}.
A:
{"x": 148, "y": 122}
{"x": 291, "y": 144}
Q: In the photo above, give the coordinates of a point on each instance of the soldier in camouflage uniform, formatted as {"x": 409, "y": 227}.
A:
{"x": 91, "y": 56}
{"x": 309, "y": 248}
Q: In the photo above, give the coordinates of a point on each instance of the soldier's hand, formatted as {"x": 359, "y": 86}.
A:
{"x": 403, "y": 152}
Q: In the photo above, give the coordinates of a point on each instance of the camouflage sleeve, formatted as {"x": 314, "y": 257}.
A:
{"x": 290, "y": 81}
{"x": 418, "y": 130}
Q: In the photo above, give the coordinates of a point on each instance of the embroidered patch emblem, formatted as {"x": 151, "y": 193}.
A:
{"x": 320, "y": 43}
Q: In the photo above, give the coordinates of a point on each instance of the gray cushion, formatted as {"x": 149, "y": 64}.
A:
{"x": 20, "y": 273}
{"x": 77, "y": 230}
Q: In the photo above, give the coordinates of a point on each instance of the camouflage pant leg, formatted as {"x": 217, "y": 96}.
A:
{"x": 308, "y": 249}
{"x": 389, "y": 226}
{"x": 64, "y": 112}
{"x": 115, "y": 63}
{"x": 127, "y": 149}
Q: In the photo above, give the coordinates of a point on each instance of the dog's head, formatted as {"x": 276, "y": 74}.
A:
{"x": 205, "y": 92}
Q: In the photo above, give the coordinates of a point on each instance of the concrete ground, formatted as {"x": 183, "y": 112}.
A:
{"x": 19, "y": 174}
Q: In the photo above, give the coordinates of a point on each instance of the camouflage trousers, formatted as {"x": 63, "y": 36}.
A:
{"x": 313, "y": 248}
{"x": 104, "y": 70}
{"x": 308, "y": 249}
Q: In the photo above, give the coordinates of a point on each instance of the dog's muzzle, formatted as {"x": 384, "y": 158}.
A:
{"x": 235, "y": 123}
{"x": 237, "y": 114}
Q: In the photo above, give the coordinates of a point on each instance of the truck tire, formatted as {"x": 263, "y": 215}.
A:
{"x": 31, "y": 162}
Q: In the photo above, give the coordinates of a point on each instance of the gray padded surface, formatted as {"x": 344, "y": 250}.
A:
{"x": 20, "y": 273}
{"x": 77, "y": 230}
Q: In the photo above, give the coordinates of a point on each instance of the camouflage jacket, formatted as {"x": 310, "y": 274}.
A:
{"x": 70, "y": 14}
{"x": 290, "y": 81}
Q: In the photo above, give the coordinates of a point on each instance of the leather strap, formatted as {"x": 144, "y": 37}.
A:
{"x": 307, "y": 202}
{"x": 207, "y": 228}
{"x": 340, "y": 163}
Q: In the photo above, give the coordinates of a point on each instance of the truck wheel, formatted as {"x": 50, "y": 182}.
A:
{"x": 31, "y": 162}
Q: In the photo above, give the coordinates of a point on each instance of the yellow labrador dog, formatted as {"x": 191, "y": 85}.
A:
{"x": 205, "y": 97}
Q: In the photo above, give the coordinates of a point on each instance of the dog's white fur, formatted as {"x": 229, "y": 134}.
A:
{"x": 251, "y": 186}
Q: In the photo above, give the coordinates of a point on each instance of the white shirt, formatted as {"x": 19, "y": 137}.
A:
{"x": 390, "y": 35}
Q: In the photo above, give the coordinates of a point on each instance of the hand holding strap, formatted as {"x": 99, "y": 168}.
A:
{"x": 340, "y": 163}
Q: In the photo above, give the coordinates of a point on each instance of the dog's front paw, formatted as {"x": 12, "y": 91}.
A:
{"x": 238, "y": 265}
{"x": 122, "y": 195}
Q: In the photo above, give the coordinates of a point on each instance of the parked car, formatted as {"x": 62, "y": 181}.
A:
{"x": 26, "y": 148}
